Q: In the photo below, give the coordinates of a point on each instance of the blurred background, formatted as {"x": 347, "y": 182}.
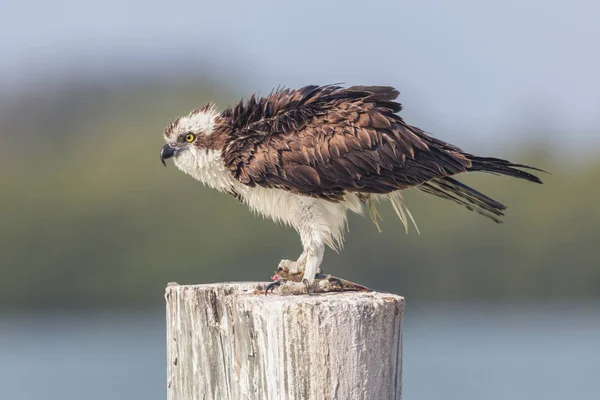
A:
{"x": 92, "y": 227}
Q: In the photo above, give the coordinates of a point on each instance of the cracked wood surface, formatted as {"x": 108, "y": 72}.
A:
{"x": 229, "y": 341}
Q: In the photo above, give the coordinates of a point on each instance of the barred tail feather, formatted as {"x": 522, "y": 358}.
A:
{"x": 503, "y": 167}
{"x": 451, "y": 189}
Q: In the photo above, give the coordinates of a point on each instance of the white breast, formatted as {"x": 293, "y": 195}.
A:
{"x": 207, "y": 167}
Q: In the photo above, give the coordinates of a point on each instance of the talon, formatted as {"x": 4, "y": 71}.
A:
{"x": 271, "y": 286}
{"x": 305, "y": 281}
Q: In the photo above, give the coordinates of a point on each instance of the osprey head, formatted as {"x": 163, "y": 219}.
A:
{"x": 186, "y": 136}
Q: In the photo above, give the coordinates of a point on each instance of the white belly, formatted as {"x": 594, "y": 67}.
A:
{"x": 301, "y": 212}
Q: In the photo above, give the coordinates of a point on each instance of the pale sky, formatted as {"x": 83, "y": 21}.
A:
{"x": 467, "y": 67}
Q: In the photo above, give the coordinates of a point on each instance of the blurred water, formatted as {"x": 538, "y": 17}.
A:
{"x": 489, "y": 352}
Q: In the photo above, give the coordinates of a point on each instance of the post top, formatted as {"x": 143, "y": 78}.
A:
{"x": 257, "y": 290}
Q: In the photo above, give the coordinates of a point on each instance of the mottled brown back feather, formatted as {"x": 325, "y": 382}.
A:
{"x": 325, "y": 141}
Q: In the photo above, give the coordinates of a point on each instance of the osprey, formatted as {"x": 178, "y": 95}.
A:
{"x": 305, "y": 157}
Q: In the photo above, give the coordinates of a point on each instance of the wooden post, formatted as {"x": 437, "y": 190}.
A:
{"x": 229, "y": 341}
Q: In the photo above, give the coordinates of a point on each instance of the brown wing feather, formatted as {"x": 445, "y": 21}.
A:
{"x": 326, "y": 141}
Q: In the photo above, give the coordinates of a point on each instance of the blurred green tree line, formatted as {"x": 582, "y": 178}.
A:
{"x": 90, "y": 218}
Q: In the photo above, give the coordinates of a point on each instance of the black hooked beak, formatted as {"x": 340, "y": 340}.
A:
{"x": 166, "y": 152}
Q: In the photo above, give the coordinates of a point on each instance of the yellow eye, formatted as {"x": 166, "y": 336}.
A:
{"x": 190, "y": 137}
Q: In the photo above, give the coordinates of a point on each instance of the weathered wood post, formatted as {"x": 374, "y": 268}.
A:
{"x": 228, "y": 341}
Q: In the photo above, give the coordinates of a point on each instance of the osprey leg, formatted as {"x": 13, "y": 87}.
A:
{"x": 314, "y": 257}
{"x": 311, "y": 223}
